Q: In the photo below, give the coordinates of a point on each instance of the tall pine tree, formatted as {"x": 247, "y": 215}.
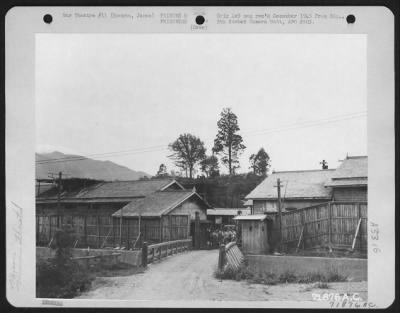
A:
{"x": 228, "y": 143}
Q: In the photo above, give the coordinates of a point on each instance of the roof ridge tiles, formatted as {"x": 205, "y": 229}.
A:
{"x": 138, "y": 180}
{"x": 302, "y": 171}
{"x": 357, "y": 157}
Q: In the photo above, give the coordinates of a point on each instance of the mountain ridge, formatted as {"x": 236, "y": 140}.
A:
{"x": 83, "y": 167}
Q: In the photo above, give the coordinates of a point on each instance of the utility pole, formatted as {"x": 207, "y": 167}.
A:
{"x": 58, "y": 198}
{"x": 120, "y": 229}
{"x": 140, "y": 217}
{"x": 38, "y": 190}
{"x": 278, "y": 185}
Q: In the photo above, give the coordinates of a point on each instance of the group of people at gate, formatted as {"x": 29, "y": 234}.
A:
{"x": 216, "y": 237}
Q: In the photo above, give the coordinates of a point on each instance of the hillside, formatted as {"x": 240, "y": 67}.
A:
{"x": 224, "y": 191}
{"x": 83, "y": 167}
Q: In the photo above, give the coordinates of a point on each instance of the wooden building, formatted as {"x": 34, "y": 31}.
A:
{"x": 81, "y": 196}
{"x": 350, "y": 180}
{"x": 165, "y": 216}
{"x": 88, "y": 206}
{"x": 256, "y": 233}
{"x": 320, "y": 208}
{"x": 224, "y": 216}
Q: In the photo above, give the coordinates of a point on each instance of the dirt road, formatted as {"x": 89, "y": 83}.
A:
{"x": 190, "y": 276}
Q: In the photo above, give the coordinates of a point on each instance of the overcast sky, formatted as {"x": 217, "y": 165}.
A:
{"x": 301, "y": 97}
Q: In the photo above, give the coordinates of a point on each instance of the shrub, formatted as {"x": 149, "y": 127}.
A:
{"x": 53, "y": 281}
{"x": 288, "y": 277}
{"x": 322, "y": 285}
{"x": 245, "y": 273}
{"x": 311, "y": 277}
{"x": 333, "y": 275}
{"x": 265, "y": 278}
{"x": 61, "y": 277}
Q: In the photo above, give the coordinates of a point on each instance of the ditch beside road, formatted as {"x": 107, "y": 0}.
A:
{"x": 190, "y": 276}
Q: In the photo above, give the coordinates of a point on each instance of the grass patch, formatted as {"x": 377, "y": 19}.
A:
{"x": 244, "y": 272}
{"x": 118, "y": 269}
{"x": 328, "y": 254}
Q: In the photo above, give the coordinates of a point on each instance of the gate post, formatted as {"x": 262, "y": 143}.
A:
{"x": 197, "y": 231}
{"x": 330, "y": 226}
{"x": 221, "y": 258}
{"x": 144, "y": 254}
{"x": 360, "y": 231}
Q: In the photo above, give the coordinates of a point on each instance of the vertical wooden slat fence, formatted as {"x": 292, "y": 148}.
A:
{"x": 331, "y": 224}
{"x": 99, "y": 231}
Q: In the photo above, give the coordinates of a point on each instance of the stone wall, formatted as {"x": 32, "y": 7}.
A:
{"x": 128, "y": 257}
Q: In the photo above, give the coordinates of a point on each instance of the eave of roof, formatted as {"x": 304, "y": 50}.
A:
{"x": 291, "y": 198}
{"x": 259, "y": 217}
{"x": 173, "y": 206}
{"x": 227, "y": 212}
{"x": 96, "y": 200}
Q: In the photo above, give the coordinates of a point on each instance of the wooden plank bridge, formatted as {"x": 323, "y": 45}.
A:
{"x": 158, "y": 251}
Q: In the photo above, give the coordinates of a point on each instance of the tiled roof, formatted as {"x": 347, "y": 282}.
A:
{"x": 156, "y": 204}
{"x": 296, "y": 184}
{"x": 112, "y": 190}
{"x": 352, "y": 171}
{"x": 348, "y": 182}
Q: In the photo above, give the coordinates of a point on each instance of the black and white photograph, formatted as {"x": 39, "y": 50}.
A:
{"x": 203, "y": 166}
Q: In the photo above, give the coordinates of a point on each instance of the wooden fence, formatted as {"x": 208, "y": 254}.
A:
{"x": 157, "y": 252}
{"x": 331, "y": 224}
{"x": 230, "y": 256}
{"x": 99, "y": 231}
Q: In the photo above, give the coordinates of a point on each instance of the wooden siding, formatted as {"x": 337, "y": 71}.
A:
{"x": 175, "y": 227}
{"x": 350, "y": 194}
{"x": 254, "y": 237}
{"x": 79, "y": 208}
{"x": 191, "y": 207}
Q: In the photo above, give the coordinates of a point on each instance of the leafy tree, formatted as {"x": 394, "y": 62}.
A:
{"x": 260, "y": 162}
{"x": 227, "y": 142}
{"x": 187, "y": 150}
{"x": 162, "y": 171}
{"x": 210, "y": 166}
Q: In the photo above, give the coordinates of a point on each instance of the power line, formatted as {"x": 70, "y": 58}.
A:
{"x": 105, "y": 154}
{"x": 305, "y": 124}
{"x": 308, "y": 123}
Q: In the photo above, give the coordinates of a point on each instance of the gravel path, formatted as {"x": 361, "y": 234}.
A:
{"x": 190, "y": 276}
